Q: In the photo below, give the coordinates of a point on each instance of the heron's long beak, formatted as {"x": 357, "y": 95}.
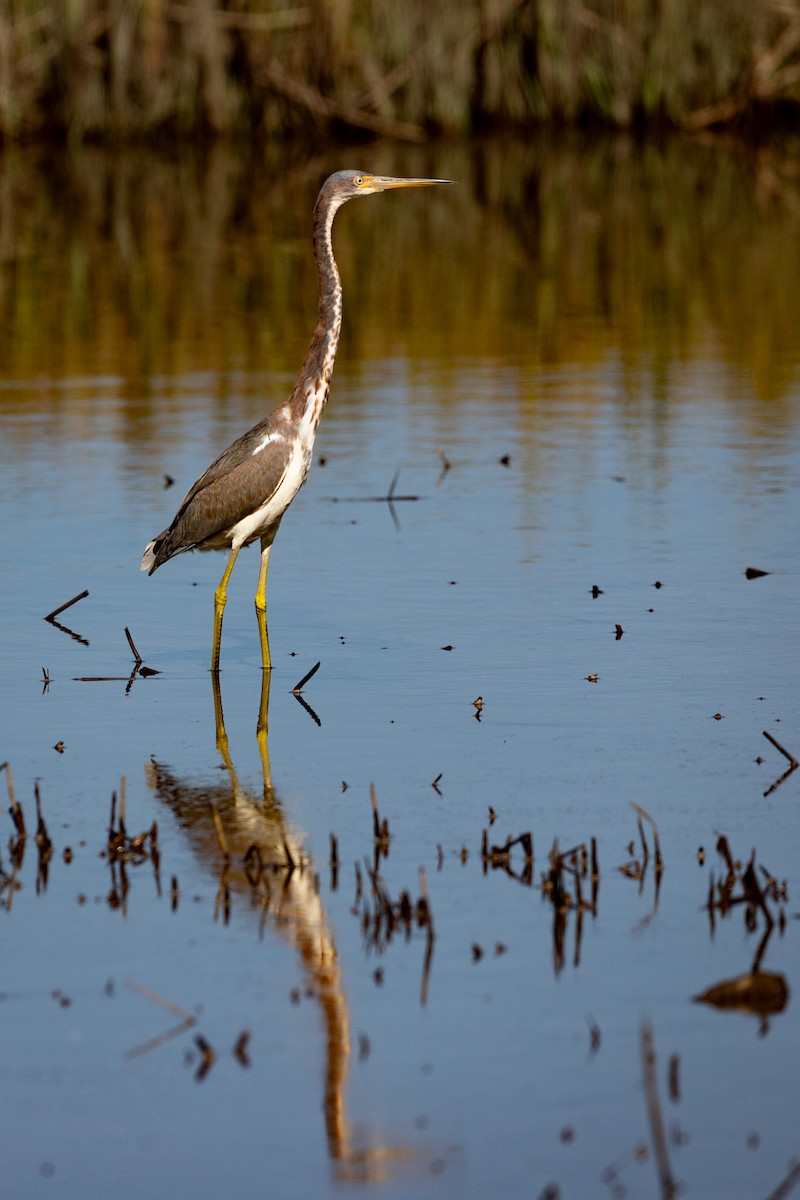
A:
{"x": 382, "y": 183}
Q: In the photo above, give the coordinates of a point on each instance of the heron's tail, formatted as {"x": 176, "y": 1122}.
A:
{"x": 149, "y": 558}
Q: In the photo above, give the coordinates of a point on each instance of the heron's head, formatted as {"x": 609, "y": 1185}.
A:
{"x": 344, "y": 185}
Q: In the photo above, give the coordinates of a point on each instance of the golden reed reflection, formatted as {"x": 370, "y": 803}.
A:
{"x": 143, "y": 271}
{"x": 243, "y": 838}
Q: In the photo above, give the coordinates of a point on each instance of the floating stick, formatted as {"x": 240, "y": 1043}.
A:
{"x": 298, "y": 687}
{"x": 69, "y": 603}
{"x": 100, "y": 678}
{"x": 782, "y": 749}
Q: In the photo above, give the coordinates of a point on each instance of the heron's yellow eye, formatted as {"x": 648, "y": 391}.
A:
{"x": 359, "y": 179}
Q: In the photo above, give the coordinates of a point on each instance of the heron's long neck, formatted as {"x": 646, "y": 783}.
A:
{"x": 311, "y": 389}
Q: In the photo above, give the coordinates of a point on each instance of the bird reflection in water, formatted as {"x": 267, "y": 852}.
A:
{"x": 263, "y": 860}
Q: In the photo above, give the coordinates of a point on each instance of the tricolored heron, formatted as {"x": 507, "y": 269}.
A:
{"x": 245, "y": 492}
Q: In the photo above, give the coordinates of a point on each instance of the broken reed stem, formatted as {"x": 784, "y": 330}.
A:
{"x": 155, "y": 998}
{"x": 724, "y": 849}
{"x": 9, "y": 783}
{"x": 17, "y": 815}
{"x": 710, "y": 902}
{"x": 643, "y": 840}
{"x": 42, "y": 836}
{"x": 69, "y": 604}
{"x": 657, "y": 845}
{"x": 785, "y": 1186}
{"x": 423, "y": 892}
{"x": 379, "y": 891}
{"x": 136, "y": 654}
{"x": 781, "y": 748}
{"x": 298, "y": 687}
{"x": 376, "y": 824}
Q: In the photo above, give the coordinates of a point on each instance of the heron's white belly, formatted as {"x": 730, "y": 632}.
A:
{"x": 267, "y": 518}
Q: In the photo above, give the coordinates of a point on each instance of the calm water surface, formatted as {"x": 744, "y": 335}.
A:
{"x": 579, "y": 374}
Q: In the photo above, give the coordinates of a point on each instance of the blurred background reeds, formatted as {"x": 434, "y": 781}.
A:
{"x": 122, "y": 69}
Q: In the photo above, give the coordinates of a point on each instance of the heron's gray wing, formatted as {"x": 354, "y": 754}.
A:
{"x": 273, "y": 432}
{"x": 233, "y": 487}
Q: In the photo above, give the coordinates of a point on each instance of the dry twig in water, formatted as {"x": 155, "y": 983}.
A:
{"x": 68, "y": 604}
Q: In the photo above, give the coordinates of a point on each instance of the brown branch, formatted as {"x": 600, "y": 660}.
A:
{"x": 68, "y": 604}
{"x": 768, "y": 81}
{"x": 767, "y": 66}
{"x": 778, "y": 746}
{"x": 719, "y": 113}
{"x": 318, "y": 105}
{"x": 786, "y": 1184}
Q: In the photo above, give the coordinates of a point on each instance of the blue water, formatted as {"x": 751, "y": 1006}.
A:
{"x": 476, "y": 1075}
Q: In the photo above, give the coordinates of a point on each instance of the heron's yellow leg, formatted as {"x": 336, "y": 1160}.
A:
{"x": 262, "y": 731}
{"x": 220, "y": 597}
{"x": 261, "y": 608}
